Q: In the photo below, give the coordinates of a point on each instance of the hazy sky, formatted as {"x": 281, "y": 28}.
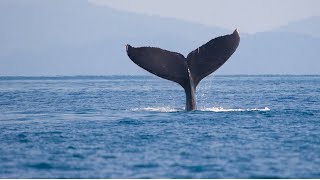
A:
{"x": 248, "y": 15}
{"x": 84, "y": 37}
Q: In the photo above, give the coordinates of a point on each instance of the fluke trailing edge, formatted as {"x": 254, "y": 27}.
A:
{"x": 187, "y": 72}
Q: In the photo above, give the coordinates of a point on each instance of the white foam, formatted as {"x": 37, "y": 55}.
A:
{"x": 211, "y": 109}
{"x": 220, "y": 109}
{"x": 157, "y": 109}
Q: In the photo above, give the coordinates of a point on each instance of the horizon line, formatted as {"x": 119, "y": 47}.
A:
{"x": 35, "y": 76}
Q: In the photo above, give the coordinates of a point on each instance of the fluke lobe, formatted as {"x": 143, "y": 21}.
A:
{"x": 187, "y": 72}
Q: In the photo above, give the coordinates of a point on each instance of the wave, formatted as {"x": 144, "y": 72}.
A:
{"x": 204, "y": 109}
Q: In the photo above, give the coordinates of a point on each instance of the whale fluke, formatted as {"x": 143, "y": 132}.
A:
{"x": 166, "y": 64}
{"x": 187, "y": 72}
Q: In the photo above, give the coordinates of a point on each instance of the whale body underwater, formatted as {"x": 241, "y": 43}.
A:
{"x": 189, "y": 71}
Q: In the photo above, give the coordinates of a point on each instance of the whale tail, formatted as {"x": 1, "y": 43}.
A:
{"x": 189, "y": 71}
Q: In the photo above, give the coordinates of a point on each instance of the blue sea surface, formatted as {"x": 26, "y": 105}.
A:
{"x": 136, "y": 127}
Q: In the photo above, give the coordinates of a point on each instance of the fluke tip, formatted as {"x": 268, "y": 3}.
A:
{"x": 236, "y": 31}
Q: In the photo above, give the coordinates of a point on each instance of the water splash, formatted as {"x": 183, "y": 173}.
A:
{"x": 204, "y": 109}
{"x": 220, "y": 109}
{"x": 158, "y": 109}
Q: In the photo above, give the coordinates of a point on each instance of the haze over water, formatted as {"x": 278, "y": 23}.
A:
{"x": 136, "y": 127}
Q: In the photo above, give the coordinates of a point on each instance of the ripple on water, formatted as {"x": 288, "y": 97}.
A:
{"x": 111, "y": 128}
{"x": 41, "y": 166}
{"x": 129, "y": 121}
{"x": 148, "y": 165}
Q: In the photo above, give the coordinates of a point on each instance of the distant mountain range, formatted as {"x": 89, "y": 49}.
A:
{"x": 309, "y": 26}
{"x": 77, "y": 38}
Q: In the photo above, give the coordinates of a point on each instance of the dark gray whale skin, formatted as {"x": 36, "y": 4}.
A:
{"x": 187, "y": 72}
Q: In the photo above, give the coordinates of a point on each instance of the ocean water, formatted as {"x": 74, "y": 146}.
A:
{"x": 136, "y": 127}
